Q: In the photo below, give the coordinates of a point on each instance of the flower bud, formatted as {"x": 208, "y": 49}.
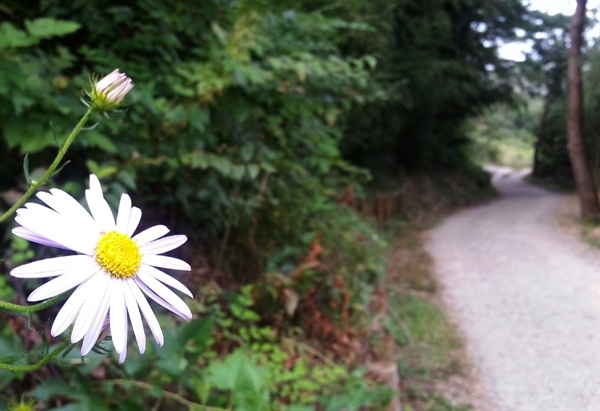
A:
{"x": 22, "y": 405}
{"x": 108, "y": 93}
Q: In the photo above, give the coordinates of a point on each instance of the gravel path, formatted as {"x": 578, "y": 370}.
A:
{"x": 526, "y": 295}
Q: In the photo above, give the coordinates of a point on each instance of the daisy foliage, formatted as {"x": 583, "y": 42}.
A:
{"x": 112, "y": 273}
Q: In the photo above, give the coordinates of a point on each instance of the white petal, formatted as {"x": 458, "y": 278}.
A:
{"x": 71, "y": 308}
{"x": 146, "y": 312}
{"x": 118, "y": 316}
{"x": 134, "y": 220}
{"x": 34, "y": 208}
{"x": 67, "y": 206}
{"x": 150, "y": 234}
{"x": 98, "y": 323}
{"x": 165, "y": 262}
{"x": 95, "y": 186}
{"x": 89, "y": 309}
{"x": 163, "y": 245}
{"x": 123, "y": 213}
{"x": 51, "y": 267}
{"x": 119, "y": 92}
{"x": 49, "y": 224}
{"x": 107, "y": 80}
{"x": 98, "y": 206}
{"x": 29, "y": 235}
{"x": 167, "y": 279}
{"x": 170, "y": 300}
{"x": 135, "y": 318}
{"x": 123, "y": 355}
{"x": 63, "y": 283}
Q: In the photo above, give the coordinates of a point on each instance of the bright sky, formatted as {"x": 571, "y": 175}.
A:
{"x": 514, "y": 51}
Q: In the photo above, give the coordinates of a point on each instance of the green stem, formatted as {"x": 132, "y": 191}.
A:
{"x": 61, "y": 153}
{"x": 26, "y": 368}
{"x": 33, "y": 308}
{"x": 166, "y": 394}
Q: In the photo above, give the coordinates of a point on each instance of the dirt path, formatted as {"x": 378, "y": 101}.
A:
{"x": 526, "y": 295}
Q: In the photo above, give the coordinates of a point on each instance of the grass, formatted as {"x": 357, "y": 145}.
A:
{"x": 590, "y": 231}
{"x": 571, "y": 221}
{"x": 429, "y": 349}
{"x": 511, "y": 153}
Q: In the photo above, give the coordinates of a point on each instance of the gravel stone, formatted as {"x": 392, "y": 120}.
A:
{"x": 526, "y": 295}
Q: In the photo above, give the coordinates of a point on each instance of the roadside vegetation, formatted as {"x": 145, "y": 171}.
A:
{"x": 435, "y": 372}
{"x": 505, "y": 134}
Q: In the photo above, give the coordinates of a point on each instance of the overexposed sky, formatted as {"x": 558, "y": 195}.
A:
{"x": 514, "y": 51}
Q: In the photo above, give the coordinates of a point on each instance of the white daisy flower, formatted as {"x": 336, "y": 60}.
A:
{"x": 111, "y": 271}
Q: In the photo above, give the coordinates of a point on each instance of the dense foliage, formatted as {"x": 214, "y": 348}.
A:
{"x": 543, "y": 75}
{"x": 504, "y": 134}
{"x": 439, "y": 61}
{"x": 233, "y": 137}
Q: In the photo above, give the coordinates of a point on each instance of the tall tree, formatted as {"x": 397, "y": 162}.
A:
{"x": 588, "y": 197}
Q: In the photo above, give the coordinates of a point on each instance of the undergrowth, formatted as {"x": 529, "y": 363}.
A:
{"x": 429, "y": 350}
{"x": 591, "y": 233}
{"x": 302, "y": 338}
{"x": 292, "y": 341}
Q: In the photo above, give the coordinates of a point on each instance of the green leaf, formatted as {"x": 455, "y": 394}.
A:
{"x": 45, "y": 348}
{"x": 54, "y": 136}
{"x": 198, "y": 331}
{"x": 99, "y": 140}
{"x": 240, "y": 374}
{"x": 198, "y": 118}
{"x": 201, "y": 388}
{"x": 26, "y": 169}
{"x": 244, "y": 313}
{"x": 296, "y": 407}
{"x": 68, "y": 407}
{"x": 252, "y": 170}
{"x": 176, "y": 115}
{"x": 11, "y": 358}
{"x": 21, "y": 102}
{"x": 219, "y": 32}
{"x": 47, "y": 27}
{"x": 130, "y": 405}
{"x": 11, "y": 37}
{"x": 51, "y": 388}
{"x": 29, "y": 137}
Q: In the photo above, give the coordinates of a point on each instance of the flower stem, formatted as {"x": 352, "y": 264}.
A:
{"x": 26, "y": 368}
{"x": 32, "y": 308}
{"x": 61, "y": 153}
{"x": 166, "y": 394}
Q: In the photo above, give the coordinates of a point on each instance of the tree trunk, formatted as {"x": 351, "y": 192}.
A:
{"x": 588, "y": 196}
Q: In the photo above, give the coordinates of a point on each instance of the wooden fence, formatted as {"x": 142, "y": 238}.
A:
{"x": 381, "y": 206}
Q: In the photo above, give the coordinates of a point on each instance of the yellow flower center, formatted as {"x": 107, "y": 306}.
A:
{"x": 118, "y": 255}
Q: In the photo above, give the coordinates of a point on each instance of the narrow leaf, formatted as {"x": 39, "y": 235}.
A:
{"x": 11, "y": 358}
{"x": 45, "y": 347}
{"x": 54, "y": 135}
{"x": 67, "y": 351}
{"x": 26, "y": 169}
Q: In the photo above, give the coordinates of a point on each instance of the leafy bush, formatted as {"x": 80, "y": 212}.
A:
{"x": 223, "y": 359}
{"x": 233, "y": 134}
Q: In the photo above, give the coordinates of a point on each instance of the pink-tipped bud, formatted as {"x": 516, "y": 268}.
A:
{"x": 108, "y": 93}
